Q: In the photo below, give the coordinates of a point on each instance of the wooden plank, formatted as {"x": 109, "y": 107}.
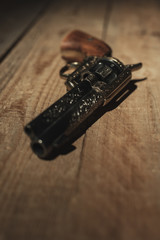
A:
{"x": 16, "y": 17}
{"x": 108, "y": 188}
{"x": 35, "y": 195}
{"x": 119, "y": 180}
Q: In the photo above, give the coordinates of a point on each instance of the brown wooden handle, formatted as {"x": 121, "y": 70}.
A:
{"x": 77, "y": 45}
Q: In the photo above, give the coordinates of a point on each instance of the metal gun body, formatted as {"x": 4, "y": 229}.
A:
{"x": 94, "y": 83}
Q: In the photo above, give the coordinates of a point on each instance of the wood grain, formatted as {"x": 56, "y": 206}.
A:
{"x": 16, "y": 18}
{"x": 108, "y": 187}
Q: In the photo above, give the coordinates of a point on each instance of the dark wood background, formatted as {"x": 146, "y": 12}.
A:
{"x": 109, "y": 186}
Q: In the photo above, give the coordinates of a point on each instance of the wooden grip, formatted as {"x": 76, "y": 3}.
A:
{"x": 77, "y": 45}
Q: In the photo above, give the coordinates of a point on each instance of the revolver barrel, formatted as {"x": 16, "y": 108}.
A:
{"x": 52, "y": 128}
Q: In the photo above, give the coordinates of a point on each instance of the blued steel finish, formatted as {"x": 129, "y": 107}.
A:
{"x": 94, "y": 83}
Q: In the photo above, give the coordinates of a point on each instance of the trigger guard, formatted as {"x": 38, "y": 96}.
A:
{"x": 67, "y": 67}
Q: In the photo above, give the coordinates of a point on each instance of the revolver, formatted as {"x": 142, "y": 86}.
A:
{"x": 94, "y": 82}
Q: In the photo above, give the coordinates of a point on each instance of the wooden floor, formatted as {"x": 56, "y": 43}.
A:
{"x": 109, "y": 186}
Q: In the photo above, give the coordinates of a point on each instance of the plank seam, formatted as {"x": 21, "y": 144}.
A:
{"x": 81, "y": 156}
{"x": 25, "y": 31}
{"x": 109, "y": 7}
